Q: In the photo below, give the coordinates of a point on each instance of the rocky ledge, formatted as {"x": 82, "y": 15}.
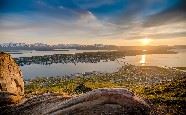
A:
{"x": 11, "y": 80}
{"x": 97, "y": 102}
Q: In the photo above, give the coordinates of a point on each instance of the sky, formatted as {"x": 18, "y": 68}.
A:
{"x": 115, "y": 22}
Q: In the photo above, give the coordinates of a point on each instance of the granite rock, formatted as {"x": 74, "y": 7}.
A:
{"x": 11, "y": 80}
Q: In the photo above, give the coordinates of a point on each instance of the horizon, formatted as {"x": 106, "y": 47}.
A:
{"x": 86, "y": 44}
{"x": 109, "y": 22}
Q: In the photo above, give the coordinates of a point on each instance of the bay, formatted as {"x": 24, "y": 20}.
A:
{"x": 59, "y": 69}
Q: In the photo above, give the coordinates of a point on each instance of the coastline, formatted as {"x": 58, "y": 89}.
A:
{"x": 163, "y": 87}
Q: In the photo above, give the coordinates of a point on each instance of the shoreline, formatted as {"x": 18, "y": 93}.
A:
{"x": 124, "y": 69}
{"x": 85, "y": 74}
{"x": 90, "y": 57}
{"x": 163, "y": 87}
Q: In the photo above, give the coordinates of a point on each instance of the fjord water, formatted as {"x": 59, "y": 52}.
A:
{"x": 59, "y": 69}
{"x": 170, "y": 60}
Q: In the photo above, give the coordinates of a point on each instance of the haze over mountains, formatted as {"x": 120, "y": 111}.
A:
{"x": 42, "y": 46}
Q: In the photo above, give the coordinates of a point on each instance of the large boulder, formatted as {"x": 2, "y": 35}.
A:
{"x": 11, "y": 80}
{"x": 102, "y": 101}
{"x": 97, "y": 102}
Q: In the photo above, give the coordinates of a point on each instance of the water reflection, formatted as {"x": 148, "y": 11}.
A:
{"x": 143, "y": 60}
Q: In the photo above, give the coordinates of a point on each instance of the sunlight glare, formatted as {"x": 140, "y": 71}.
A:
{"x": 146, "y": 41}
{"x": 143, "y": 59}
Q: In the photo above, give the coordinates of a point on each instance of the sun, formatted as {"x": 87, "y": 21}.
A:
{"x": 145, "y": 41}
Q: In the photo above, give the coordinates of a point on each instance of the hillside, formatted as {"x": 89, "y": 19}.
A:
{"x": 155, "y": 90}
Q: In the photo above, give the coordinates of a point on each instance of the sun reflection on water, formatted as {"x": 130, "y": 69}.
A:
{"x": 143, "y": 59}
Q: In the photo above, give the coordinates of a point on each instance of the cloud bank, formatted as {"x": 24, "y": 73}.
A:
{"x": 47, "y": 20}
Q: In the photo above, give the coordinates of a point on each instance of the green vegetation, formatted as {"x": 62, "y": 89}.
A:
{"x": 167, "y": 98}
{"x": 163, "y": 87}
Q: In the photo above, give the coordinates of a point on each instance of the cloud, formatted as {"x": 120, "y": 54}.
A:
{"x": 89, "y": 20}
{"x": 89, "y": 4}
{"x": 86, "y": 25}
{"x": 170, "y": 15}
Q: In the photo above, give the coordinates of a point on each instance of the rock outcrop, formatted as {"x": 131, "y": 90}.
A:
{"x": 102, "y": 101}
{"x": 11, "y": 80}
{"x": 97, "y": 102}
